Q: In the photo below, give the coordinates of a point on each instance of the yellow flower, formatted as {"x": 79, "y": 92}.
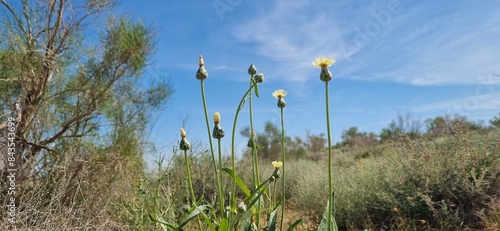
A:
{"x": 278, "y": 94}
{"x": 323, "y": 62}
{"x": 277, "y": 164}
{"x": 216, "y": 117}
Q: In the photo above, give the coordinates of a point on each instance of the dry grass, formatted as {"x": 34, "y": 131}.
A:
{"x": 444, "y": 184}
{"x": 415, "y": 185}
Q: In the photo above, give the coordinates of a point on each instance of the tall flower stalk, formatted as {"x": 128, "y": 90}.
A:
{"x": 257, "y": 78}
{"x": 184, "y": 145}
{"x": 280, "y": 94}
{"x": 326, "y": 76}
{"x": 218, "y": 133}
{"x": 201, "y": 75}
{"x": 252, "y": 70}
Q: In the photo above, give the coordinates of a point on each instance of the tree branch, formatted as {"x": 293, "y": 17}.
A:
{"x": 42, "y": 147}
{"x": 16, "y": 18}
{"x": 65, "y": 127}
{"x": 10, "y": 80}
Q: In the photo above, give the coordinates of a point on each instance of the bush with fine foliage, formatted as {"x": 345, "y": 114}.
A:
{"x": 446, "y": 184}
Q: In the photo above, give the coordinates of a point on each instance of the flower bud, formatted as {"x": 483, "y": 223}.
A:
{"x": 258, "y": 78}
{"x": 252, "y": 142}
{"x": 202, "y": 73}
{"x": 200, "y": 61}
{"x": 252, "y": 70}
{"x": 276, "y": 175}
{"x": 325, "y": 74}
{"x": 218, "y": 132}
{"x": 184, "y": 143}
{"x": 281, "y": 103}
{"x": 216, "y": 117}
{"x": 242, "y": 207}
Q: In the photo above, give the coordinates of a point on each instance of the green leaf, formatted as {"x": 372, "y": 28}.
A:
{"x": 296, "y": 223}
{"x": 195, "y": 212}
{"x": 163, "y": 223}
{"x": 323, "y": 226}
{"x": 272, "y": 219}
{"x": 224, "y": 224}
{"x": 256, "y": 196}
{"x": 238, "y": 180}
{"x": 206, "y": 218}
{"x": 256, "y": 89}
{"x": 164, "y": 227}
{"x": 246, "y": 221}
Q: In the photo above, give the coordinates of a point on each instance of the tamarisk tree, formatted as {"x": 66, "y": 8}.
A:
{"x": 70, "y": 72}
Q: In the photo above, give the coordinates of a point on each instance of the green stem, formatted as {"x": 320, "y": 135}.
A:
{"x": 233, "y": 163}
{"x": 217, "y": 173}
{"x": 220, "y": 183}
{"x": 251, "y": 136}
{"x": 330, "y": 187}
{"x": 254, "y": 148}
{"x": 283, "y": 153}
{"x": 190, "y": 183}
{"x": 274, "y": 196}
{"x": 255, "y": 159}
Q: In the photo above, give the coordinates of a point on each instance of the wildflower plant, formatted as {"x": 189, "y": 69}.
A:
{"x": 218, "y": 133}
{"x": 252, "y": 143}
{"x": 184, "y": 145}
{"x": 326, "y": 76}
{"x": 244, "y": 213}
{"x": 244, "y": 209}
{"x": 202, "y": 74}
{"x": 274, "y": 177}
{"x": 280, "y": 95}
{"x": 255, "y": 79}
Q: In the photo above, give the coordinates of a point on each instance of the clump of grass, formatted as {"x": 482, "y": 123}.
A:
{"x": 307, "y": 183}
{"x": 491, "y": 216}
{"x": 77, "y": 193}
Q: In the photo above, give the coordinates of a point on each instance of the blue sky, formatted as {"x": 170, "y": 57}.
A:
{"x": 427, "y": 57}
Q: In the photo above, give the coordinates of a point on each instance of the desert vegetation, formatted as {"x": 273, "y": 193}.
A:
{"x": 73, "y": 140}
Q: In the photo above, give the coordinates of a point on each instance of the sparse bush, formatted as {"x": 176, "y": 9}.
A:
{"x": 448, "y": 184}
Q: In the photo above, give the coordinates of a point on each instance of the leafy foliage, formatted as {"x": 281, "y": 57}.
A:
{"x": 80, "y": 104}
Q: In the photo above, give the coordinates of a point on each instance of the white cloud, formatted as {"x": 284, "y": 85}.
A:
{"x": 291, "y": 34}
{"x": 451, "y": 47}
{"x": 418, "y": 46}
